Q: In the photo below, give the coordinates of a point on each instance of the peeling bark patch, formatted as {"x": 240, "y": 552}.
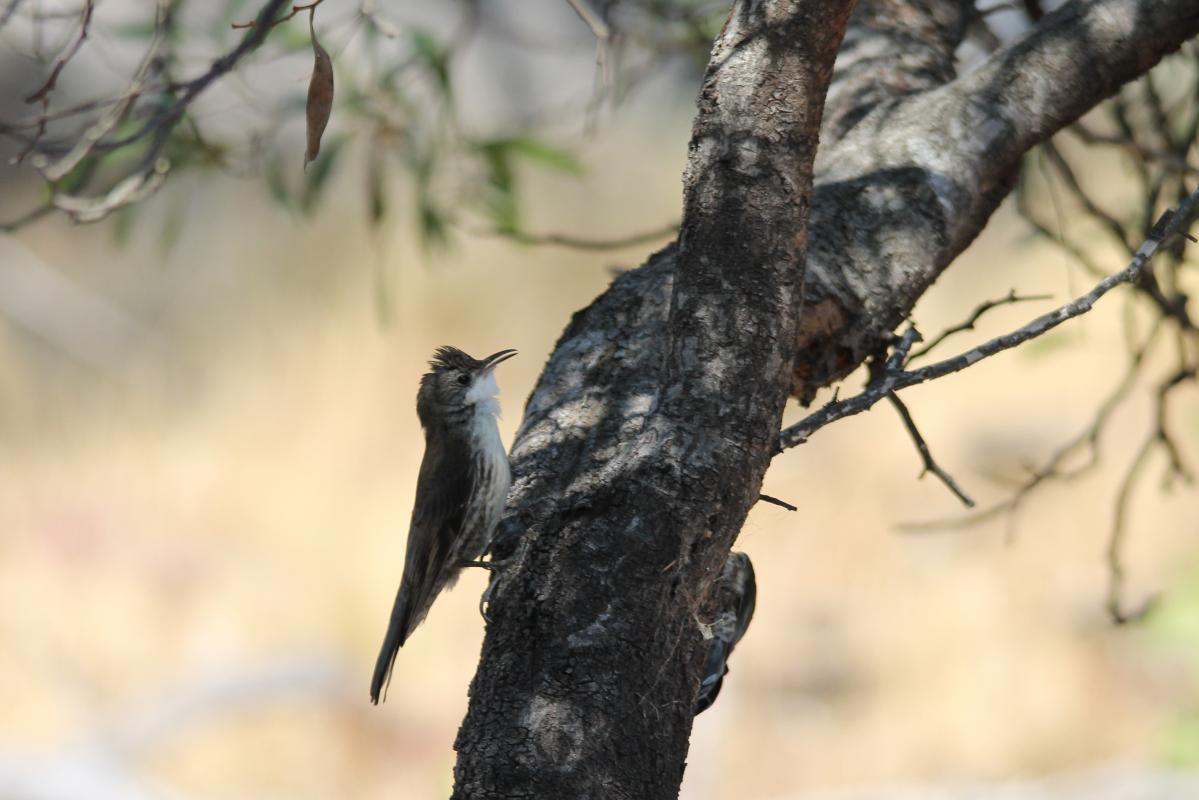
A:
{"x": 556, "y": 727}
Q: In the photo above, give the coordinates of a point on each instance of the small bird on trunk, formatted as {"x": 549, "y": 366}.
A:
{"x": 460, "y": 493}
{"x": 736, "y": 596}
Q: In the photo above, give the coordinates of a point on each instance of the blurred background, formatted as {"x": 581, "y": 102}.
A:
{"x": 208, "y": 439}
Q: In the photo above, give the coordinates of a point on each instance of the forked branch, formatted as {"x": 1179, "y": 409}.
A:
{"x": 894, "y": 377}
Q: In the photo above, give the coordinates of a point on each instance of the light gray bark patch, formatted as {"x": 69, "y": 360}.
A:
{"x": 556, "y": 728}
{"x": 591, "y": 634}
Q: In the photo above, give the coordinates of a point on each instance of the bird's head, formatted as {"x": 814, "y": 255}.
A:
{"x": 458, "y": 385}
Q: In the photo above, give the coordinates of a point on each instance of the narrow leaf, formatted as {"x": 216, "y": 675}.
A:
{"x": 320, "y": 96}
{"x": 546, "y": 155}
{"x": 376, "y": 190}
{"x": 435, "y": 57}
{"x": 276, "y": 183}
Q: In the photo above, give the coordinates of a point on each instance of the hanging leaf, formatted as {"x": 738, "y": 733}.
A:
{"x": 376, "y": 189}
{"x": 320, "y": 95}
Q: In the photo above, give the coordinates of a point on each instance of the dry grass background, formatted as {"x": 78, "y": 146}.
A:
{"x": 225, "y": 506}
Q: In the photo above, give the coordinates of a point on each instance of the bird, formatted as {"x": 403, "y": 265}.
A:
{"x": 736, "y": 596}
{"x": 460, "y": 492}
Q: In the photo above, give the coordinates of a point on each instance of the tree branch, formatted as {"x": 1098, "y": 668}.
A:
{"x": 1169, "y": 226}
{"x": 977, "y": 314}
{"x": 1053, "y": 467}
{"x": 912, "y": 183}
{"x": 295, "y": 9}
{"x": 85, "y": 22}
{"x": 926, "y": 455}
{"x": 580, "y": 242}
{"x": 892, "y": 49}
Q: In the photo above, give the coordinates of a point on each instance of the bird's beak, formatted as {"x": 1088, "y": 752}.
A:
{"x": 494, "y": 359}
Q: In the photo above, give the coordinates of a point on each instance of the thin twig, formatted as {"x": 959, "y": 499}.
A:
{"x": 1166, "y": 157}
{"x": 85, "y": 22}
{"x": 926, "y": 456}
{"x": 94, "y": 134}
{"x": 170, "y": 115}
{"x": 1072, "y": 183}
{"x": 578, "y": 242}
{"x": 603, "y": 40}
{"x": 9, "y": 11}
{"x": 774, "y": 501}
{"x": 1115, "y": 542}
{"x": 968, "y": 325}
{"x": 1053, "y": 468}
{"x": 1025, "y": 210}
{"x": 296, "y": 9}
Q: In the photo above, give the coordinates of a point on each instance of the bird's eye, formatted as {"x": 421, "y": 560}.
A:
{"x": 463, "y": 379}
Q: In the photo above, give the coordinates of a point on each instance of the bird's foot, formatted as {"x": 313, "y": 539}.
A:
{"x": 492, "y": 566}
{"x": 496, "y": 570}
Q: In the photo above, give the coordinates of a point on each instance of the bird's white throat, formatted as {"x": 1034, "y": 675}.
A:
{"x": 493, "y": 458}
{"x": 484, "y": 394}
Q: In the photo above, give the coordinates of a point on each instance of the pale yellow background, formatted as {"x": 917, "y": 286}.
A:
{"x": 200, "y": 540}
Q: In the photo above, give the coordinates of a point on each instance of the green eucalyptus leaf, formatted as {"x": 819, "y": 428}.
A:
{"x": 435, "y": 57}
{"x": 376, "y": 188}
{"x": 276, "y": 184}
{"x": 433, "y": 227}
{"x": 546, "y": 155}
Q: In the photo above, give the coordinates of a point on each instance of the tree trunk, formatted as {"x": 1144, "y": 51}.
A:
{"x": 644, "y": 444}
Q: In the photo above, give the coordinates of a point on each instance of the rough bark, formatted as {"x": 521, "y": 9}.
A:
{"x": 644, "y": 443}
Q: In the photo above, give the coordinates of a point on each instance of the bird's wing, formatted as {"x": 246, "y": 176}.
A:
{"x": 442, "y": 491}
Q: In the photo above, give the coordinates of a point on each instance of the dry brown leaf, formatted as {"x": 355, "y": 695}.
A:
{"x": 320, "y": 96}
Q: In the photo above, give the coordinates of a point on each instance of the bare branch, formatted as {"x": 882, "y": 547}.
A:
{"x": 603, "y": 42}
{"x": 1115, "y": 565}
{"x": 579, "y": 242}
{"x": 11, "y": 9}
{"x": 1168, "y": 158}
{"x": 983, "y": 308}
{"x": 1053, "y": 468}
{"x": 1025, "y": 210}
{"x": 133, "y": 189}
{"x": 774, "y": 501}
{"x": 1090, "y": 206}
{"x": 85, "y": 22}
{"x": 1169, "y": 226}
{"x": 168, "y": 116}
{"x": 930, "y": 465}
{"x": 296, "y": 9}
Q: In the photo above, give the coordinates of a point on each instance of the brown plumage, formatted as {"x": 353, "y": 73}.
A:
{"x": 460, "y": 492}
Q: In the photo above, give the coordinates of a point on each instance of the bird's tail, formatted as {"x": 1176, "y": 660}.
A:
{"x": 398, "y": 628}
